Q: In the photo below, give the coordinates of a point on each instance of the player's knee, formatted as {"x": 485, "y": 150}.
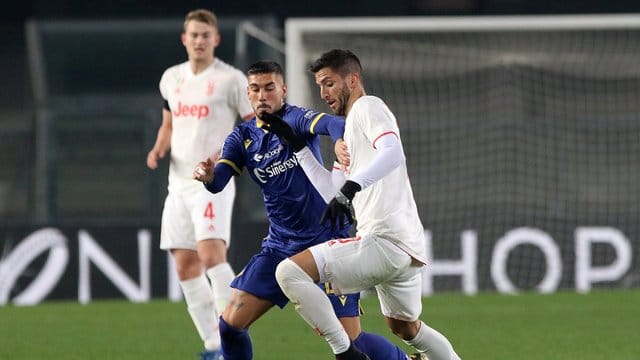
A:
{"x": 212, "y": 252}
{"x": 406, "y": 330}
{"x": 228, "y": 331}
{"x": 188, "y": 268}
{"x": 211, "y": 260}
{"x": 288, "y": 272}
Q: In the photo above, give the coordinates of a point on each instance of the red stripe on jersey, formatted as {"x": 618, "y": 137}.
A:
{"x": 383, "y": 134}
{"x": 343, "y": 241}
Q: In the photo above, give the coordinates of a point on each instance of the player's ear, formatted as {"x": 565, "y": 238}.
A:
{"x": 284, "y": 90}
{"x": 352, "y": 80}
{"x": 183, "y": 38}
{"x": 216, "y": 40}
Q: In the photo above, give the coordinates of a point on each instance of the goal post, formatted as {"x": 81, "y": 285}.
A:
{"x": 522, "y": 136}
{"x": 298, "y": 54}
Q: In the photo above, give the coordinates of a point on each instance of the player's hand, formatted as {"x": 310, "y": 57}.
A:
{"x": 153, "y": 157}
{"x": 204, "y": 171}
{"x": 278, "y": 126}
{"x": 340, "y": 207}
{"x": 342, "y": 152}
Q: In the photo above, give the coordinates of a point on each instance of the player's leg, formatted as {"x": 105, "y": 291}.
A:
{"x": 401, "y": 304}
{"x": 348, "y": 310}
{"x": 211, "y": 216}
{"x": 297, "y": 277}
{"x": 177, "y": 235}
{"x": 213, "y": 255}
{"x": 243, "y": 309}
{"x": 254, "y": 292}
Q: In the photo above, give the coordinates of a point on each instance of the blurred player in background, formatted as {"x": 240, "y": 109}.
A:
{"x": 388, "y": 251}
{"x": 293, "y": 207}
{"x": 202, "y": 99}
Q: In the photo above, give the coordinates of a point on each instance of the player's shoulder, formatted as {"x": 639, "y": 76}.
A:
{"x": 245, "y": 129}
{"x": 175, "y": 70}
{"x": 368, "y": 101}
{"x": 220, "y": 65}
{"x": 294, "y": 112}
{"x": 369, "y": 107}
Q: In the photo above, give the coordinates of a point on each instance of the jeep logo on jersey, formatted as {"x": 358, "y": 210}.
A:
{"x": 275, "y": 169}
{"x": 198, "y": 111}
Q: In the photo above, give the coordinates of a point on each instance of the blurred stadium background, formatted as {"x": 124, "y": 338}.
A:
{"x": 522, "y": 136}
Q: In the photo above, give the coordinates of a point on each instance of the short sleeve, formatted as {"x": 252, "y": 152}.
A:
{"x": 164, "y": 85}
{"x": 376, "y": 119}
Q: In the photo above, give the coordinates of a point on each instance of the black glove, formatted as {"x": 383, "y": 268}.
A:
{"x": 340, "y": 205}
{"x": 279, "y": 127}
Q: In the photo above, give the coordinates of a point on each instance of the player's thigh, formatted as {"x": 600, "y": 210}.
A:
{"x": 177, "y": 230}
{"x": 244, "y": 309}
{"x": 211, "y": 213}
{"x": 401, "y": 298}
{"x": 354, "y": 264}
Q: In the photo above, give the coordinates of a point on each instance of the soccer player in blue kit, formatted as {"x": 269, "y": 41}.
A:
{"x": 293, "y": 206}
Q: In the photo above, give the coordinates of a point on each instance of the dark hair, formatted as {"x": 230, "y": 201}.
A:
{"x": 342, "y": 61}
{"x": 265, "y": 67}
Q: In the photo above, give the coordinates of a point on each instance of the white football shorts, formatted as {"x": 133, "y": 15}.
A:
{"x": 196, "y": 214}
{"x": 364, "y": 262}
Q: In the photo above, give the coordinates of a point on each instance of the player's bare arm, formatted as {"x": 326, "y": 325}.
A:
{"x": 163, "y": 141}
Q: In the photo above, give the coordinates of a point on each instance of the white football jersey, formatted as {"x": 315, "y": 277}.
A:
{"x": 386, "y": 208}
{"x": 204, "y": 109}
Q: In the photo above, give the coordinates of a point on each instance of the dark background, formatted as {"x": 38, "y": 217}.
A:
{"x": 17, "y": 109}
{"x": 15, "y": 98}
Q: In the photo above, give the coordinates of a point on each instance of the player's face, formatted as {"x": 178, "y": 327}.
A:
{"x": 266, "y": 92}
{"x": 333, "y": 90}
{"x": 200, "y": 39}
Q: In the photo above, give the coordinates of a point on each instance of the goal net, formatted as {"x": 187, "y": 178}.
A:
{"x": 522, "y": 137}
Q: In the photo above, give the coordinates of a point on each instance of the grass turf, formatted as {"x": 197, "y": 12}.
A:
{"x": 600, "y": 325}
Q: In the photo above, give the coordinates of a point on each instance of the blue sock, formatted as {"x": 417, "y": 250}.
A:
{"x": 378, "y": 347}
{"x": 236, "y": 343}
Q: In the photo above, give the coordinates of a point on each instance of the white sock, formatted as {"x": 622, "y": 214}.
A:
{"x": 312, "y": 304}
{"x": 197, "y": 294}
{"x": 433, "y": 344}
{"x": 221, "y": 276}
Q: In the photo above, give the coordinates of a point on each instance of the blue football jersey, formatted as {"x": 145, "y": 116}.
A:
{"x": 293, "y": 205}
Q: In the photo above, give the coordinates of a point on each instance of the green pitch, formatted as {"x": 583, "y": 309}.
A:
{"x": 600, "y": 325}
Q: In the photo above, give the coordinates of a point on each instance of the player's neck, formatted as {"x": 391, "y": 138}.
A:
{"x": 355, "y": 95}
{"x": 198, "y": 66}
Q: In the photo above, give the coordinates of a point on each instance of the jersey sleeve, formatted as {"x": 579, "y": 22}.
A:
{"x": 238, "y": 95}
{"x": 233, "y": 152}
{"x": 164, "y": 85}
{"x": 376, "y": 120}
{"x": 326, "y": 183}
{"x": 319, "y": 123}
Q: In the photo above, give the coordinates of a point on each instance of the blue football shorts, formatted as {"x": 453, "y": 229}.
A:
{"x": 258, "y": 278}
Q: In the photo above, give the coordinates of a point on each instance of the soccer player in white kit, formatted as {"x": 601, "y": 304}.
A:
{"x": 203, "y": 97}
{"x": 388, "y": 250}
